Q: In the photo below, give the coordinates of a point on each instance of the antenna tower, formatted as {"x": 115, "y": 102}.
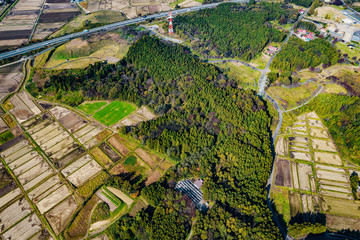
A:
{"x": 171, "y": 30}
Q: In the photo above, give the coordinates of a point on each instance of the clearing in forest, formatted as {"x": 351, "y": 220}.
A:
{"x": 114, "y": 112}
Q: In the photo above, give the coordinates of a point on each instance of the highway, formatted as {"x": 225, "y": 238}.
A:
{"x": 106, "y": 28}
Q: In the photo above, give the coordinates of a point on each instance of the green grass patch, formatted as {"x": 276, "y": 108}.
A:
{"x": 92, "y": 185}
{"x": 101, "y": 212}
{"x": 6, "y": 136}
{"x": 130, "y": 161}
{"x": 89, "y": 21}
{"x": 91, "y": 107}
{"x": 114, "y": 112}
{"x": 355, "y": 52}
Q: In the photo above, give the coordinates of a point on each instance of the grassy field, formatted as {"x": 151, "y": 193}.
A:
{"x": 261, "y": 61}
{"x": 101, "y": 212}
{"x": 335, "y": 88}
{"x": 289, "y": 98}
{"x": 115, "y": 200}
{"x": 281, "y": 200}
{"x": 79, "y": 53}
{"x": 131, "y": 160}
{"x": 89, "y": 21}
{"x": 350, "y": 52}
{"x": 114, "y": 112}
{"x": 243, "y": 75}
{"x": 6, "y": 136}
{"x": 90, "y": 186}
{"x": 91, "y": 107}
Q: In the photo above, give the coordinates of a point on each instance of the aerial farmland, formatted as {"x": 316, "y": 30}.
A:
{"x": 54, "y": 159}
{"x": 310, "y": 175}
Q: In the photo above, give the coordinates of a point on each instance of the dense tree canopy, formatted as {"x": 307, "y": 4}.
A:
{"x": 234, "y": 30}
{"x": 215, "y": 131}
{"x": 298, "y": 54}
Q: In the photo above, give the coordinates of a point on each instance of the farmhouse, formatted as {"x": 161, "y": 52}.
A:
{"x": 271, "y": 50}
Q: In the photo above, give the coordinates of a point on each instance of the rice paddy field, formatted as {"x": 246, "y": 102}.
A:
{"x": 63, "y": 160}
{"x": 310, "y": 175}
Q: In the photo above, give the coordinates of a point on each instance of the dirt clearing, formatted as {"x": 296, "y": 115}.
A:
{"x": 283, "y": 173}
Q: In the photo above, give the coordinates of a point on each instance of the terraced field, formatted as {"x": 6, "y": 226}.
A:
{"x": 310, "y": 168}
{"x": 61, "y": 159}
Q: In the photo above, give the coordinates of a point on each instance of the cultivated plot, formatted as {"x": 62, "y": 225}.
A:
{"x": 10, "y": 78}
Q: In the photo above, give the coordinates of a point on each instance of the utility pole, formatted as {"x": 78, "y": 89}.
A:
{"x": 171, "y": 30}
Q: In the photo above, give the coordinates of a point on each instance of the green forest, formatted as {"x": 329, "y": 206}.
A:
{"x": 234, "y": 30}
{"x": 304, "y": 3}
{"x": 298, "y": 54}
{"x": 213, "y": 129}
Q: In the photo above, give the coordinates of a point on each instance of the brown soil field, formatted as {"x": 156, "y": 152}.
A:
{"x": 300, "y": 133}
{"x": 150, "y": 159}
{"x": 9, "y": 196}
{"x": 332, "y": 183}
{"x": 9, "y": 121}
{"x": 88, "y": 136}
{"x": 84, "y": 173}
{"x": 59, "y": 112}
{"x": 313, "y": 184}
{"x": 299, "y": 149}
{"x": 279, "y": 148}
{"x": 296, "y": 124}
{"x": 53, "y": 17}
{"x": 146, "y": 113}
{"x": 283, "y": 173}
{"x": 137, "y": 207}
{"x": 315, "y": 123}
{"x": 91, "y": 143}
{"x": 28, "y": 102}
{"x": 153, "y": 177}
{"x": 300, "y": 128}
{"x": 304, "y": 203}
{"x": 37, "y": 179}
{"x": 165, "y": 165}
{"x": 10, "y": 78}
{"x": 24, "y": 229}
{"x": 323, "y": 145}
{"x": 84, "y": 130}
{"x": 112, "y": 206}
{"x": 338, "y": 189}
{"x": 329, "y": 158}
{"x": 16, "y": 34}
{"x": 44, "y": 186}
{"x": 42, "y": 235}
{"x": 20, "y": 110}
{"x": 16, "y": 131}
{"x": 299, "y": 139}
{"x": 340, "y": 207}
{"x": 13, "y": 213}
{"x": 313, "y": 115}
{"x": 334, "y": 176}
{"x": 26, "y": 166}
{"x": 101, "y": 157}
{"x": 335, "y": 194}
{"x": 13, "y": 145}
{"x": 300, "y": 155}
{"x": 329, "y": 168}
{"x": 53, "y": 199}
{"x": 3, "y": 126}
{"x": 115, "y": 142}
{"x": 60, "y": 215}
{"x": 78, "y": 228}
{"x": 102, "y": 135}
{"x": 110, "y": 152}
{"x": 63, "y": 152}
{"x": 321, "y": 133}
{"x": 294, "y": 175}
{"x": 295, "y": 204}
{"x": 69, "y": 158}
{"x": 71, "y": 119}
{"x": 304, "y": 170}
{"x": 339, "y": 222}
{"x": 125, "y": 198}
{"x": 47, "y": 192}
{"x": 118, "y": 170}
{"x": 18, "y": 154}
{"x": 76, "y": 165}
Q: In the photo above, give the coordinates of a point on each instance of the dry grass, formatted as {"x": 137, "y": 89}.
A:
{"x": 328, "y": 158}
{"x": 101, "y": 157}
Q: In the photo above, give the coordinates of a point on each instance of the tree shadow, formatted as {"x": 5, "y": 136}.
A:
{"x": 310, "y": 217}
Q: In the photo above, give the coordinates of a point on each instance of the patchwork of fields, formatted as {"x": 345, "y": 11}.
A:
{"x": 53, "y": 159}
{"x": 310, "y": 169}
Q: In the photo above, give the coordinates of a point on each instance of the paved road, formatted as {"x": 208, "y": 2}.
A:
{"x": 106, "y": 28}
{"x": 262, "y": 92}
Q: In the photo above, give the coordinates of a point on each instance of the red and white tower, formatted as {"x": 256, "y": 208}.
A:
{"x": 171, "y": 30}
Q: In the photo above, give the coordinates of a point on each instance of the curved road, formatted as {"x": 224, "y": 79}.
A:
{"x": 106, "y": 28}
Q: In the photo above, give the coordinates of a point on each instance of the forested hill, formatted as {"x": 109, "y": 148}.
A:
{"x": 215, "y": 131}
{"x": 234, "y": 30}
